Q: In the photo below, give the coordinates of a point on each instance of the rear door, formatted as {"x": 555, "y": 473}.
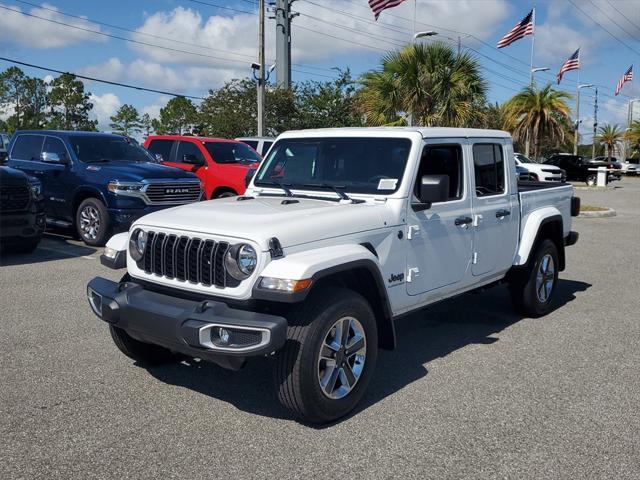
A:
{"x": 495, "y": 211}
{"x": 440, "y": 239}
{"x": 58, "y": 178}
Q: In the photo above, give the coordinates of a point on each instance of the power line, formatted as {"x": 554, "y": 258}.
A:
{"x": 622, "y": 14}
{"x": 84, "y": 77}
{"x": 607, "y": 15}
{"x": 223, "y": 7}
{"x": 605, "y": 29}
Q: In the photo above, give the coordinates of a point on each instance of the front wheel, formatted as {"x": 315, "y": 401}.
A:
{"x": 332, "y": 345}
{"x": 532, "y": 289}
{"x": 92, "y": 222}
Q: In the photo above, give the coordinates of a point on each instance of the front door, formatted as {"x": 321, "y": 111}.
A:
{"x": 440, "y": 238}
{"x": 494, "y": 210}
{"x": 58, "y": 178}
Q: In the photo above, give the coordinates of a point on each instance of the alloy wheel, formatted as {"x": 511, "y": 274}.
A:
{"x": 545, "y": 278}
{"x": 342, "y": 357}
{"x": 89, "y": 222}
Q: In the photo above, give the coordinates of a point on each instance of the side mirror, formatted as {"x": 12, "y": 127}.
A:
{"x": 50, "y": 157}
{"x": 432, "y": 189}
{"x": 192, "y": 159}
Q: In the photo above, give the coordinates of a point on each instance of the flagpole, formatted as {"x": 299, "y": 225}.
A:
{"x": 533, "y": 41}
{"x": 577, "y": 133}
{"x": 415, "y": 8}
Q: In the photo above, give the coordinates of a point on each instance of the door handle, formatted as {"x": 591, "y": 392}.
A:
{"x": 502, "y": 213}
{"x": 463, "y": 221}
{"x": 39, "y": 172}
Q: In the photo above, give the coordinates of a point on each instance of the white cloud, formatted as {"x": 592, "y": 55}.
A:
{"x": 34, "y": 32}
{"x": 230, "y": 43}
{"x": 113, "y": 70}
{"x": 153, "y": 110}
{"x": 104, "y": 106}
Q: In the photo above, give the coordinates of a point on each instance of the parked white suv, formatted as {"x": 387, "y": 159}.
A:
{"x": 340, "y": 232}
{"x": 539, "y": 171}
{"x": 259, "y": 144}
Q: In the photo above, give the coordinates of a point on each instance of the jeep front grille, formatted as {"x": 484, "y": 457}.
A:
{"x": 14, "y": 197}
{"x": 187, "y": 259}
{"x": 166, "y": 193}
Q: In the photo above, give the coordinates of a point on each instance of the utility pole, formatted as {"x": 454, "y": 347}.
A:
{"x": 595, "y": 125}
{"x": 575, "y": 138}
{"x": 261, "y": 78}
{"x": 283, "y": 43}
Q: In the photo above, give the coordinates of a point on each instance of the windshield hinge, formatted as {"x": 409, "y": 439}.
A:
{"x": 275, "y": 249}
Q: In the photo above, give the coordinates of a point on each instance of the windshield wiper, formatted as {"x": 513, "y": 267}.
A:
{"x": 342, "y": 195}
{"x": 287, "y": 192}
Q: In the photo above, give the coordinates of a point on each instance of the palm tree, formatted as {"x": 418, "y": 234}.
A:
{"x": 609, "y": 135}
{"x": 430, "y": 82}
{"x": 538, "y": 113}
{"x": 633, "y": 135}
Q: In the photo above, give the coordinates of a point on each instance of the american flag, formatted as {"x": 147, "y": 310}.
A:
{"x": 379, "y": 5}
{"x": 521, "y": 30}
{"x": 572, "y": 63}
{"x": 627, "y": 77}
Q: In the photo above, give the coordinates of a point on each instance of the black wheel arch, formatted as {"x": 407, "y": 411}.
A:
{"x": 550, "y": 228}
{"x": 80, "y": 195}
{"x": 362, "y": 276}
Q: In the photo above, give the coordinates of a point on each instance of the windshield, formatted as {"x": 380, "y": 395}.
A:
{"x": 231, "y": 152}
{"x": 358, "y": 165}
{"x": 91, "y": 149}
{"x": 521, "y": 158}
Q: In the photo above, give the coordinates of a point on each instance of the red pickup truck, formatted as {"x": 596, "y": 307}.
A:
{"x": 221, "y": 164}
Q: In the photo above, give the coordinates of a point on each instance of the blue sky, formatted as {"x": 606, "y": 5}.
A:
{"x": 205, "y": 45}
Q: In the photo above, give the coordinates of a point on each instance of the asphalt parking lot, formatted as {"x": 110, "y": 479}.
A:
{"x": 473, "y": 390}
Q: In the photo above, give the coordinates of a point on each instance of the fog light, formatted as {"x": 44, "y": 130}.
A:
{"x": 223, "y": 335}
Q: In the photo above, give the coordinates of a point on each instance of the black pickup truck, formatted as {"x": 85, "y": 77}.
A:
{"x": 22, "y": 217}
{"x": 580, "y": 169}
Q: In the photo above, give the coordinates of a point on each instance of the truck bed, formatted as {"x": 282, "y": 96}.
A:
{"x": 537, "y": 195}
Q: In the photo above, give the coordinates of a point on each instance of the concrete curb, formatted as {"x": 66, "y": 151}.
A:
{"x": 609, "y": 212}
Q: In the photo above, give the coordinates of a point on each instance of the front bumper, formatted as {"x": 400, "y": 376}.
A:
{"x": 186, "y": 326}
{"x": 17, "y": 227}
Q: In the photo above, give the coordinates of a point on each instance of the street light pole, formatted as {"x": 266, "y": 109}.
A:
{"x": 261, "y": 88}
{"x": 416, "y": 36}
{"x": 595, "y": 125}
{"x": 575, "y": 139}
{"x": 527, "y": 143}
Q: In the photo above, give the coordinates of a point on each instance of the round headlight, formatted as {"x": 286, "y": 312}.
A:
{"x": 241, "y": 261}
{"x": 137, "y": 244}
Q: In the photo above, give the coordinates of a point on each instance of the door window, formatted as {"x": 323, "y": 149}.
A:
{"x": 488, "y": 163}
{"x": 27, "y": 147}
{"x": 188, "y": 148}
{"x": 252, "y": 143}
{"x": 161, "y": 149}
{"x": 442, "y": 160}
{"x": 55, "y": 145}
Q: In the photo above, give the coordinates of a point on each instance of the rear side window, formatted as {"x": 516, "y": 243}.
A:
{"x": 188, "y": 148}
{"x": 252, "y": 143}
{"x": 160, "y": 149}
{"x": 265, "y": 147}
{"x": 55, "y": 145}
{"x": 488, "y": 164}
{"x": 27, "y": 147}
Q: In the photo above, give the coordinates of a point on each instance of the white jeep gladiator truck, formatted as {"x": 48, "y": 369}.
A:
{"x": 340, "y": 232}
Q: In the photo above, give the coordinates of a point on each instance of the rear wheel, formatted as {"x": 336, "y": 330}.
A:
{"x": 331, "y": 350}
{"x": 92, "y": 222}
{"x": 140, "y": 351}
{"x": 532, "y": 289}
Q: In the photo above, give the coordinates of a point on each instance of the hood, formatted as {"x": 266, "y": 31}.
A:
{"x": 137, "y": 171}
{"x": 259, "y": 219}
{"x": 12, "y": 176}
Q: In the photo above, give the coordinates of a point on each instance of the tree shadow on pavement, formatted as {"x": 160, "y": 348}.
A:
{"x": 423, "y": 336}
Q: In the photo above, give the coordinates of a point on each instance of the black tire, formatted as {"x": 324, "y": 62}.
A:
{"x": 523, "y": 287}
{"x": 297, "y": 367}
{"x": 93, "y": 205}
{"x": 591, "y": 180}
{"x": 146, "y": 353}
